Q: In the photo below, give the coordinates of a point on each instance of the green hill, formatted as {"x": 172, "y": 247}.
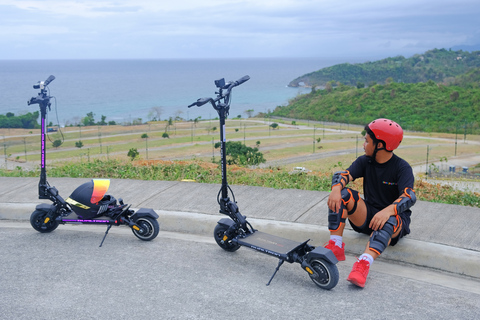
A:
{"x": 415, "y": 106}
{"x": 438, "y": 65}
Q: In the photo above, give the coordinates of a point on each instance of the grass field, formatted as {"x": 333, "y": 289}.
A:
{"x": 189, "y": 153}
{"x": 188, "y": 140}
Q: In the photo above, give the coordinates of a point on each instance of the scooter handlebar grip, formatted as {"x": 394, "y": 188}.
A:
{"x": 242, "y": 80}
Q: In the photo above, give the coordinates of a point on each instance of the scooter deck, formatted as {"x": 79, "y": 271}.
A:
{"x": 269, "y": 243}
{"x": 74, "y": 218}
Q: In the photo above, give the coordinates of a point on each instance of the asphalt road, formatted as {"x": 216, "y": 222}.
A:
{"x": 65, "y": 275}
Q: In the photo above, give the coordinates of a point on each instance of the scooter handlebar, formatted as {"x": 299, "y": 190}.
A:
{"x": 200, "y": 102}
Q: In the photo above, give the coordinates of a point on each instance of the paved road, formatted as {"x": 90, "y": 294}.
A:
{"x": 65, "y": 275}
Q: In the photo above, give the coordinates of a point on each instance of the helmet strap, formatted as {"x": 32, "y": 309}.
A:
{"x": 377, "y": 149}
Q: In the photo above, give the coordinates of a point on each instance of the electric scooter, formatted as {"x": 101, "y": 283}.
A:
{"x": 88, "y": 204}
{"x": 233, "y": 232}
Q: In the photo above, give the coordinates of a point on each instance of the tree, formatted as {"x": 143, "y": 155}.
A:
{"x": 454, "y": 96}
{"x": 195, "y": 121}
{"x": 79, "y": 144}
{"x": 89, "y": 120}
{"x": 57, "y": 143}
{"x": 249, "y": 112}
{"x": 274, "y": 125}
{"x": 238, "y": 153}
{"x": 165, "y": 135}
{"x": 133, "y": 153}
{"x": 26, "y": 121}
{"x": 177, "y": 115}
{"x": 155, "y": 113}
{"x": 102, "y": 122}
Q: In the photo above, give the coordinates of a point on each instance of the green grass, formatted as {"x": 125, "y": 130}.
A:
{"x": 204, "y": 172}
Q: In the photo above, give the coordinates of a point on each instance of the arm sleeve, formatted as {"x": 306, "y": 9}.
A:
{"x": 357, "y": 168}
{"x": 405, "y": 177}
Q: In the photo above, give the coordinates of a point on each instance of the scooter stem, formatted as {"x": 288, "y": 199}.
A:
{"x": 42, "y": 185}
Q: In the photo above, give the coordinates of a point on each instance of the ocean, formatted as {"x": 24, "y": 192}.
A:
{"x": 127, "y": 90}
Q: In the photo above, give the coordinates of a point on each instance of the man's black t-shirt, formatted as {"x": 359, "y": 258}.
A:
{"x": 384, "y": 183}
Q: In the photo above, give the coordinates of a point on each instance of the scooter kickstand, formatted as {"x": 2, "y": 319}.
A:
{"x": 280, "y": 262}
{"x": 106, "y": 232}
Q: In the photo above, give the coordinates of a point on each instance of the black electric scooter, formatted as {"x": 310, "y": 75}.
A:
{"x": 88, "y": 204}
{"x": 231, "y": 234}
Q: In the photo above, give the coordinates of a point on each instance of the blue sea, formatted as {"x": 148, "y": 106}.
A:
{"x": 125, "y": 90}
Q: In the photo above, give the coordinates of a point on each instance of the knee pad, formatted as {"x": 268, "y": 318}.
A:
{"x": 405, "y": 202}
{"x": 335, "y": 219}
{"x": 350, "y": 195}
{"x": 380, "y": 238}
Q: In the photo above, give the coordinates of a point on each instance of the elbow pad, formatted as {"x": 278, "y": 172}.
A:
{"x": 405, "y": 202}
{"x": 340, "y": 177}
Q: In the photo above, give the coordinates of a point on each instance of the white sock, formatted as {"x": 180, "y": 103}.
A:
{"x": 366, "y": 256}
{"x": 337, "y": 240}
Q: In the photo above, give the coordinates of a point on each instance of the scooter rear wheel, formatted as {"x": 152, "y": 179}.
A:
{"x": 218, "y": 234}
{"x": 37, "y": 220}
{"x": 149, "y": 227}
{"x": 328, "y": 273}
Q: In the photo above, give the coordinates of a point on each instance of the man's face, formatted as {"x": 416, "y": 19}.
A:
{"x": 368, "y": 146}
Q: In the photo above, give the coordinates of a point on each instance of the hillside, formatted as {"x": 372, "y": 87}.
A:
{"x": 416, "y": 106}
{"x": 438, "y": 65}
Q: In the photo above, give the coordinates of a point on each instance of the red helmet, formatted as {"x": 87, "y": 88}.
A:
{"x": 387, "y": 131}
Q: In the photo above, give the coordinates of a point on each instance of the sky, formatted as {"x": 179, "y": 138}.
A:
{"x": 213, "y": 29}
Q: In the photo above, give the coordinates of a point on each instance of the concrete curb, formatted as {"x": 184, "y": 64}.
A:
{"x": 431, "y": 255}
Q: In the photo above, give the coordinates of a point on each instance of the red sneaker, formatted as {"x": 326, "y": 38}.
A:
{"x": 337, "y": 251}
{"x": 359, "y": 273}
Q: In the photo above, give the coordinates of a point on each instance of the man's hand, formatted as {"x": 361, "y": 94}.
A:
{"x": 335, "y": 199}
{"x": 381, "y": 217}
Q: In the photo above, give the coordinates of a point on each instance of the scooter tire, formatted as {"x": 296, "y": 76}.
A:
{"x": 328, "y": 273}
{"x": 37, "y": 221}
{"x": 150, "y": 225}
{"x": 218, "y": 234}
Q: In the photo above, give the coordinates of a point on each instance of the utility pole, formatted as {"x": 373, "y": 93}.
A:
{"x": 25, "y": 146}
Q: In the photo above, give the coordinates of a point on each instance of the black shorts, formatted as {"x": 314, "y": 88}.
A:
{"x": 371, "y": 211}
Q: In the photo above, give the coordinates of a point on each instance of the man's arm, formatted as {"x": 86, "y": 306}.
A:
{"x": 403, "y": 203}
{"x": 340, "y": 180}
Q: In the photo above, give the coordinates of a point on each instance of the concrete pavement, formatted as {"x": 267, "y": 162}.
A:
{"x": 444, "y": 237}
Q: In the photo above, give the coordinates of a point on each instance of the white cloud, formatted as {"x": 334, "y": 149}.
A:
{"x": 219, "y": 28}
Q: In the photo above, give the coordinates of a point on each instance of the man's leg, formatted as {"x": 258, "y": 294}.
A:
{"x": 379, "y": 240}
{"x": 353, "y": 208}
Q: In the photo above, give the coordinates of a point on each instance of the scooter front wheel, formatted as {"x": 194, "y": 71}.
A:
{"x": 218, "y": 234}
{"x": 149, "y": 229}
{"x": 37, "y": 220}
{"x": 327, "y": 274}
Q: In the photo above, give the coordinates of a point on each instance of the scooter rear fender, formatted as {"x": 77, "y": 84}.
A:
{"x": 144, "y": 212}
{"x": 321, "y": 253}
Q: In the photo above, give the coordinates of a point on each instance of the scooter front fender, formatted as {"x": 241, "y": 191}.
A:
{"x": 45, "y": 207}
{"x": 226, "y": 222}
{"x": 143, "y": 212}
